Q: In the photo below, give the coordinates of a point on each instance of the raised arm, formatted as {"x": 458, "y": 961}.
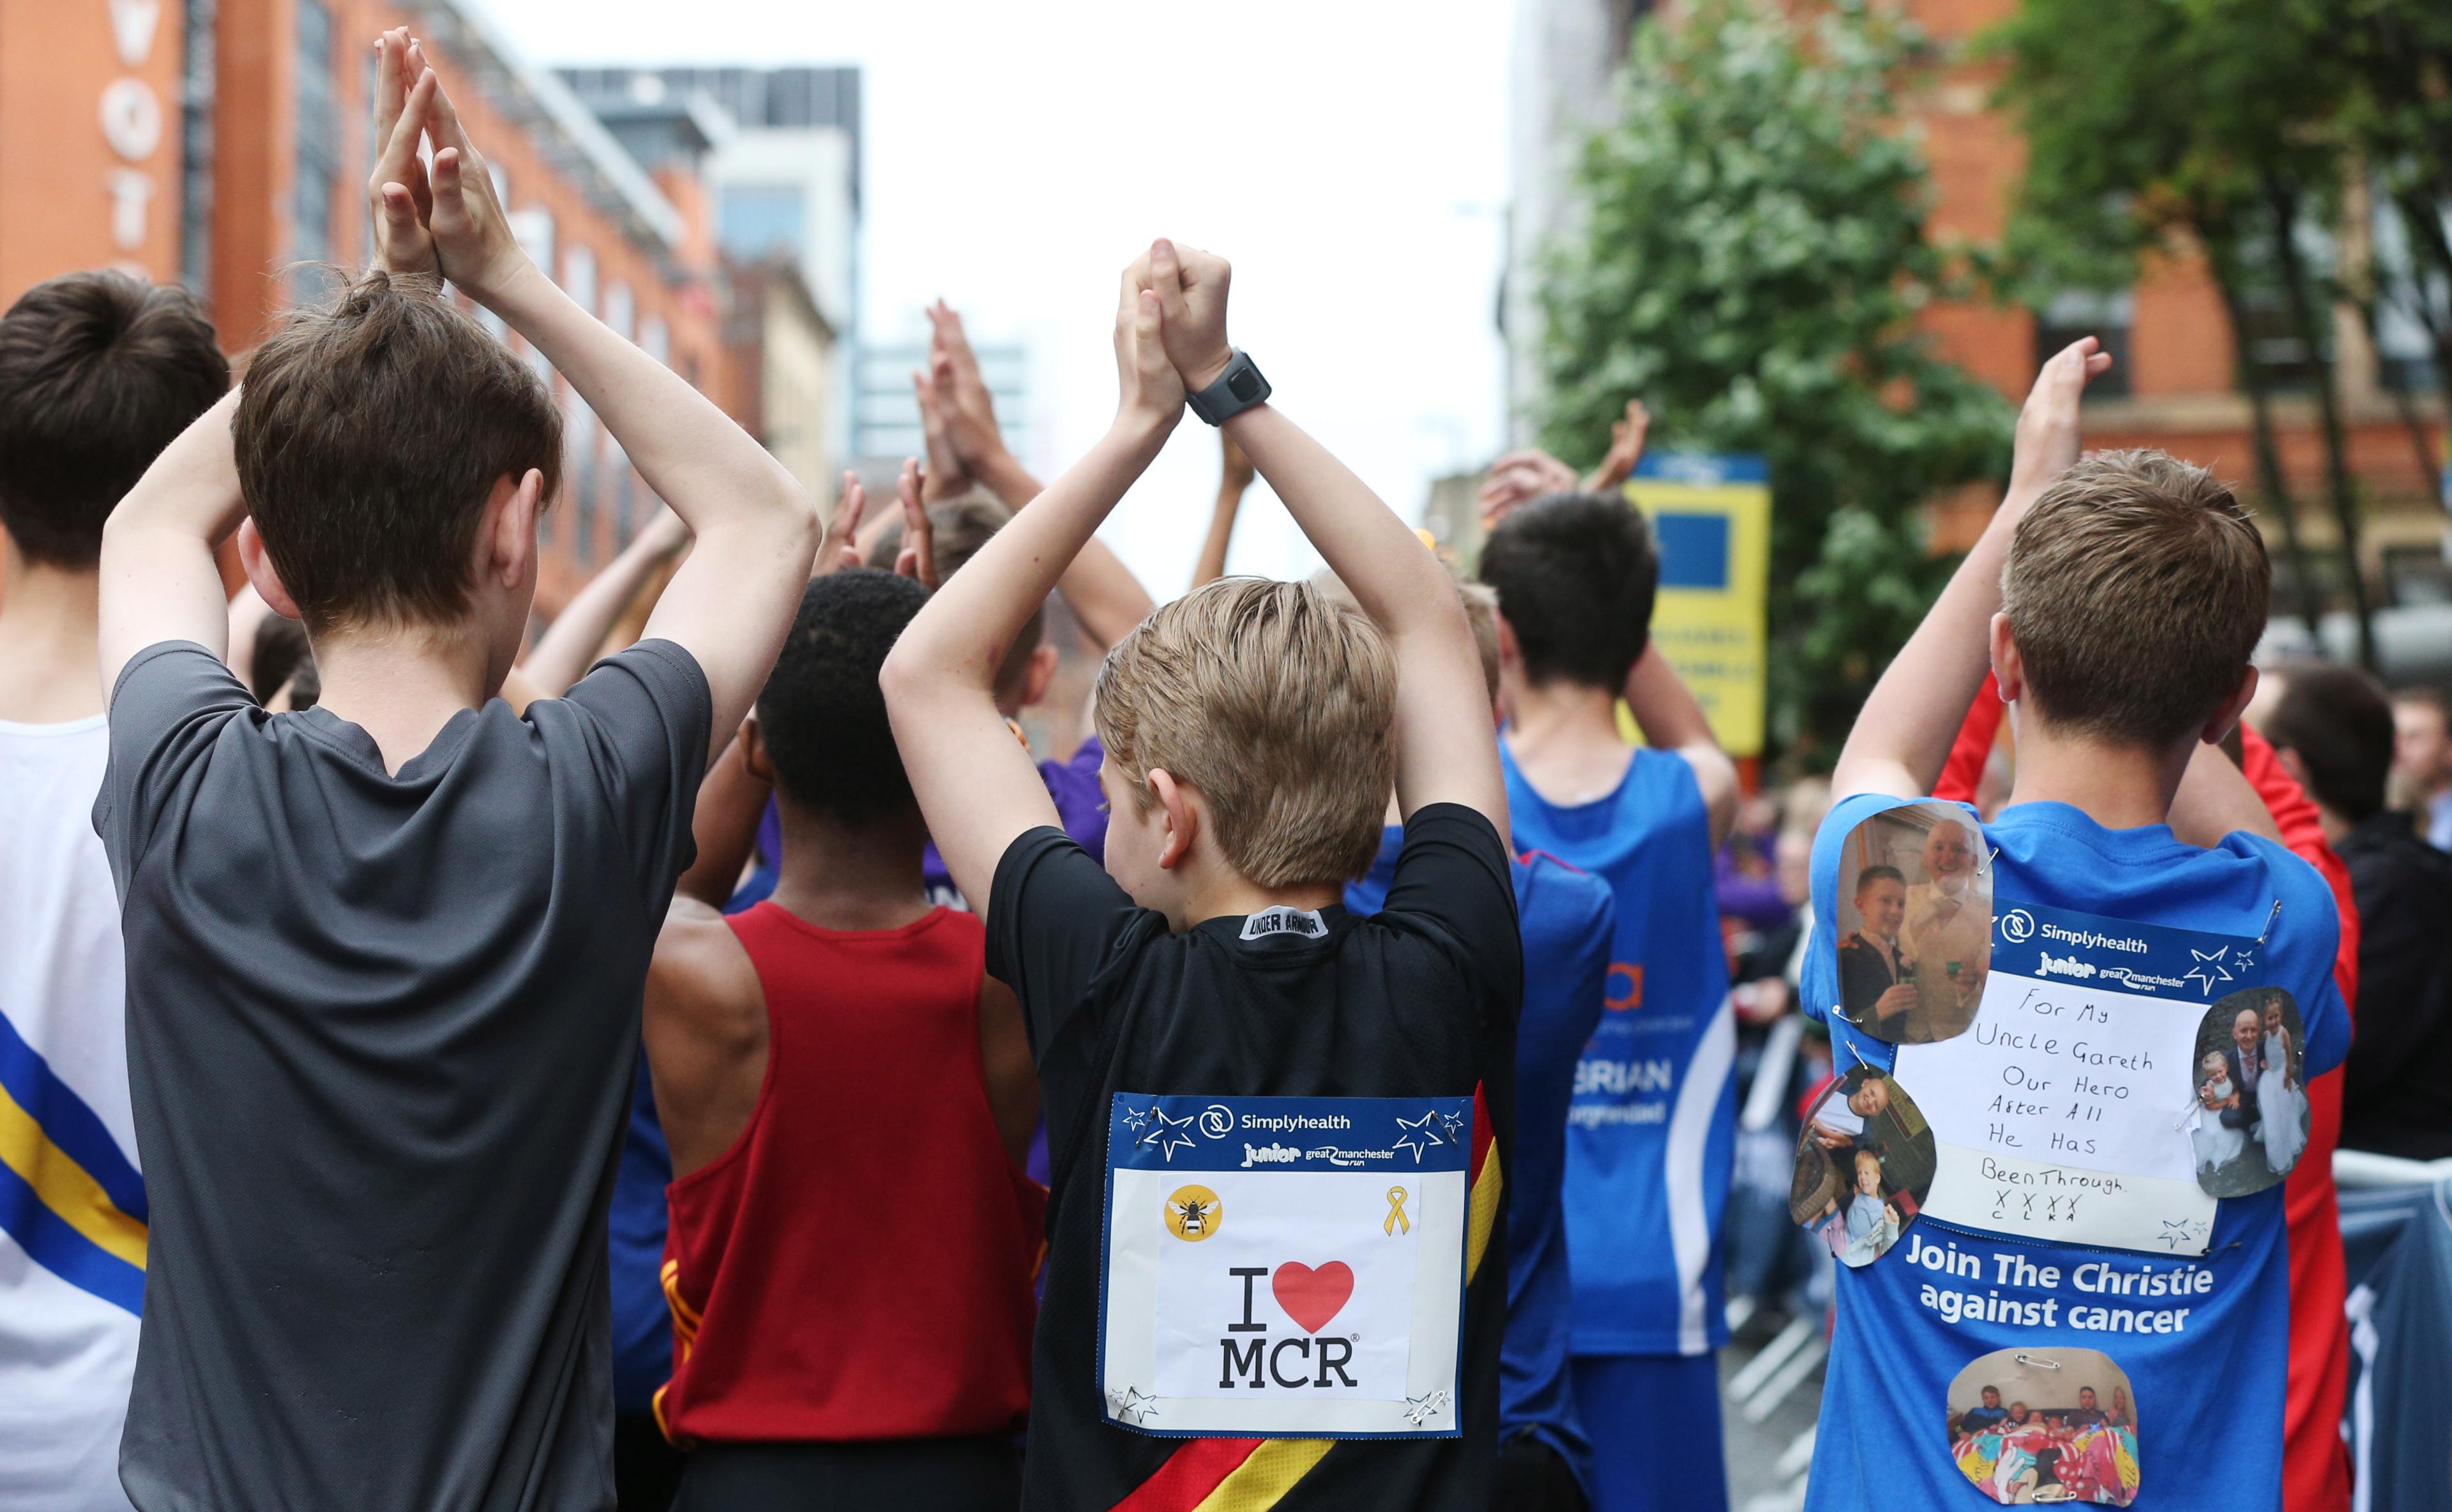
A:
{"x": 1447, "y": 749}
{"x": 567, "y": 647}
{"x": 731, "y": 603}
{"x": 1103, "y": 593}
{"x": 1904, "y": 734}
{"x": 158, "y": 580}
{"x": 1665, "y": 711}
{"x": 1233, "y": 478}
{"x": 976, "y": 784}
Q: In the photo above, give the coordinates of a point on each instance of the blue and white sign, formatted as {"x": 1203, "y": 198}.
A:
{"x": 1285, "y": 1265}
{"x": 2062, "y": 1113}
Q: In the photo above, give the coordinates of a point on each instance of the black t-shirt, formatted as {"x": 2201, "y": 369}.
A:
{"x": 380, "y": 1037}
{"x": 1417, "y": 1000}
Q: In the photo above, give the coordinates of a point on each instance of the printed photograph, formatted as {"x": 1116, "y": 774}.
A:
{"x": 2246, "y": 1113}
{"x": 1914, "y": 923}
{"x": 1864, "y": 1162}
{"x": 2039, "y": 1426}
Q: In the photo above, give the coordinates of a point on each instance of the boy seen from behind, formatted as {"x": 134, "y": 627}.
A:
{"x": 838, "y": 1049}
{"x": 2137, "y": 884}
{"x": 1652, "y": 1128}
{"x": 1279, "y": 1130}
{"x": 385, "y": 954}
{"x": 98, "y": 372}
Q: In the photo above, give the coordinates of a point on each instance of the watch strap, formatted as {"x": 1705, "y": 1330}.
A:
{"x": 1239, "y": 387}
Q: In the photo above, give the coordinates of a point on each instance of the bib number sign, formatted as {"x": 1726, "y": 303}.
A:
{"x": 2062, "y": 1112}
{"x": 1284, "y": 1265}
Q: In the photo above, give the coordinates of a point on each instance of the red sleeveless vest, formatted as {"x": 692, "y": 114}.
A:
{"x": 859, "y": 1263}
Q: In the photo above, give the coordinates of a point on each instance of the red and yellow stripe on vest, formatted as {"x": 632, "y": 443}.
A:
{"x": 1252, "y": 1475}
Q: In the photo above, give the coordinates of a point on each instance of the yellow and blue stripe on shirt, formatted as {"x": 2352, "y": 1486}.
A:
{"x": 68, "y": 1193}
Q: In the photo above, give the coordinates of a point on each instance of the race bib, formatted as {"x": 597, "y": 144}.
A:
{"x": 2062, "y": 1112}
{"x": 1284, "y": 1265}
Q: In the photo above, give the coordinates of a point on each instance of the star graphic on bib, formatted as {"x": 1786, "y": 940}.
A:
{"x": 1167, "y": 1135}
{"x": 1453, "y": 1125}
{"x": 1418, "y": 1134}
{"x": 1137, "y": 1117}
{"x": 1420, "y": 1409}
{"x": 1131, "y": 1405}
{"x": 2209, "y": 969}
{"x": 2176, "y": 1231}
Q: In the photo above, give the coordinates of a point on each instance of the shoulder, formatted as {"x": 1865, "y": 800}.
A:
{"x": 700, "y": 971}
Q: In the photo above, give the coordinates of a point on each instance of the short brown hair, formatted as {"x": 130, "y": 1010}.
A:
{"x": 1480, "y": 616}
{"x": 2137, "y": 588}
{"x": 371, "y": 430}
{"x": 1278, "y": 705}
{"x": 958, "y": 527}
{"x": 98, "y": 372}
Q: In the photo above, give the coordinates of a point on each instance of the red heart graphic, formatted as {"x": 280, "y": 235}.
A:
{"x": 1311, "y": 1297}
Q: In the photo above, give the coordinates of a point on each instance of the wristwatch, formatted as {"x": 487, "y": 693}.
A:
{"x": 1238, "y": 389}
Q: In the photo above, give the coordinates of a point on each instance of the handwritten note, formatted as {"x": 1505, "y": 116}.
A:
{"x": 2059, "y": 1114}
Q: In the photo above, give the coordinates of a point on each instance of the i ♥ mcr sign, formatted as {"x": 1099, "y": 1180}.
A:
{"x": 1284, "y": 1265}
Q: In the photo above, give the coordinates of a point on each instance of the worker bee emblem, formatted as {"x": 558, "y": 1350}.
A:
{"x": 1192, "y": 1213}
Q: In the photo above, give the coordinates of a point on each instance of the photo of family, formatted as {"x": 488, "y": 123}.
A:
{"x": 1915, "y": 923}
{"x": 2034, "y": 1427}
{"x": 2246, "y": 1113}
{"x": 1864, "y": 1162}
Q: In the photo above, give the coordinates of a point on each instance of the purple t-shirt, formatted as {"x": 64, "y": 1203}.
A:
{"x": 1079, "y": 806}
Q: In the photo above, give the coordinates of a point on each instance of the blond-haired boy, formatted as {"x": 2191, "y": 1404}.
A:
{"x": 2138, "y": 881}
{"x": 1277, "y": 1253}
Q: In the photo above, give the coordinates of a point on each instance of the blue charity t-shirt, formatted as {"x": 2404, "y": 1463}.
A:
{"x": 1567, "y": 918}
{"x": 1653, "y": 1126}
{"x": 2106, "y": 945}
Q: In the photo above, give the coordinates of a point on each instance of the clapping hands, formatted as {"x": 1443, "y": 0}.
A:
{"x": 444, "y": 218}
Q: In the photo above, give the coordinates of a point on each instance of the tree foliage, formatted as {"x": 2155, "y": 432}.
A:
{"x": 1750, "y": 257}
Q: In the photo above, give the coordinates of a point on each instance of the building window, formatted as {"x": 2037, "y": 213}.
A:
{"x": 196, "y": 150}
{"x": 756, "y": 219}
{"x": 620, "y": 308}
{"x": 318, "y": 149}
{"x": 2413, "y": 305}
{"x": 579, "y": 277}
{"x": 2065, "y": 317}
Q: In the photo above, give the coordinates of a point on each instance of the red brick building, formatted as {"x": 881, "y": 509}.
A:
{"x": 226, "y": 143}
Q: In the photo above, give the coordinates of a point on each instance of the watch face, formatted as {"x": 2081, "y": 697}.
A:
{"x": 1244, "y": 384}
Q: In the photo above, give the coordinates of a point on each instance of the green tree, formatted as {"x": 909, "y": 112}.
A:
{"x": 2207, "y": 126}
{"x": 1750, "y": 256}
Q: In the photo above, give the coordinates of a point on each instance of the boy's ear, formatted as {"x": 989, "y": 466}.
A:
{"x": 1182, "y": 818}
{"x": 260, "y": 571}
{"x": 506, "y": 536}
{"x": 1039, "y": 673}
{"x": 2225, "y": 718}
{"x": 753, "y": 751}
{"x": 2008, "y": 669}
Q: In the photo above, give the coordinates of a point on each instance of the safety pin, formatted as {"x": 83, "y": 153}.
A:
{"x": 2038, "y": 1360}
{"x": 2269, "y": 920}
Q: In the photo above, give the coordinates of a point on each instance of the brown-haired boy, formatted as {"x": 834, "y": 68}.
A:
{"x": 385, "y": 954}
{"x": 2137, "y": 882}
{"x": 98, "y": 372}
{"x": 1278, "y": 1129}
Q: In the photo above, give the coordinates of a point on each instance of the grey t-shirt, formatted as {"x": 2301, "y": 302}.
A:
{"x": 381, "y": 1033}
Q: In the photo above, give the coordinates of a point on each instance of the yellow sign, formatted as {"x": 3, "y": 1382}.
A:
{"x": 1710, "y": 516}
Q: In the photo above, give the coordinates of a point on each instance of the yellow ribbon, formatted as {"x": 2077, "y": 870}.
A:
{"x": 1396, "y": 1211}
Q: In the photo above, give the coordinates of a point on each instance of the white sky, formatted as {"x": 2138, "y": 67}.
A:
{"x": 1350, "y": 160}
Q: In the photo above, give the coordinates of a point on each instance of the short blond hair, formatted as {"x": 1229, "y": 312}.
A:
{"x": 1279, "y": 704}
{"x": 2137, "y": 588}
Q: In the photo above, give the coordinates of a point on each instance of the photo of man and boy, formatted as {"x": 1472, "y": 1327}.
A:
{"x": 2247, "y": 1111}
{"x": 2057, "y": 1439}
{"x": 1915, "y": 921}
{"x": 1864, "y": 1162}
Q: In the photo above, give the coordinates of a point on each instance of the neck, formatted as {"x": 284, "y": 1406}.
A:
{"x": 2336, "y": 827}
{"x": 49, "y": 667}
{"x": 851, "y": 876}
{"x": 2119, "y": 787}
{"x": 1229, "y": 894}
{"x": 402, "y": 684}
{"x": 1565, "y": 738}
